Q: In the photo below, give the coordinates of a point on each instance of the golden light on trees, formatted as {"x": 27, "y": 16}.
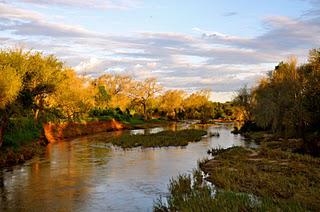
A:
{"x": 10, "y": 85}
{"x": 143, "y": 92}
{"x": 74, "y": 97}
{"x": 171, "y": 102}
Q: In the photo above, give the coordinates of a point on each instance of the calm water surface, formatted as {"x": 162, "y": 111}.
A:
{"x": 88, "y": 174}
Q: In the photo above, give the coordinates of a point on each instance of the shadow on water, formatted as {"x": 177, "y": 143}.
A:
{"x": 89, "y": 174}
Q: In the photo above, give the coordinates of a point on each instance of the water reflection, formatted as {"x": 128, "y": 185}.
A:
{"x": 88, "y": 174}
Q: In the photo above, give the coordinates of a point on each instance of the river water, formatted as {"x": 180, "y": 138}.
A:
{"x": 88, "y": 174}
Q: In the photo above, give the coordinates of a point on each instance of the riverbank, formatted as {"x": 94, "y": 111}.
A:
{"x": 59, "y": 131}
{"x": 19, "y": 150}
{"x": 275, "y": 176}
{"x": 247, "y": 179}
{"x": 281, "y": 176}
{"x": 10, "y": 156}
{"x": 310, "y": 145}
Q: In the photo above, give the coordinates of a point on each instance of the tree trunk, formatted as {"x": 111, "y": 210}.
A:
{"x": 3, "y": 125}
{"x": 144, "y": 110}
{"x": 36, "y": 115}
{"x": 175, "y": 115}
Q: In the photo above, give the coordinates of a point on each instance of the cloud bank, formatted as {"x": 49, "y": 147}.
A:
{"x": 199, "y": 60}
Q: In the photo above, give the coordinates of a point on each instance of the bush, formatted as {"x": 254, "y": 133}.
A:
{"x": 21, "y": 131}
{"x": 108, "y": 114}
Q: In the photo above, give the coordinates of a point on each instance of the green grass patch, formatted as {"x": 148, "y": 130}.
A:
{"x": 21, "y": 141}
{"x": 134, "y": 121}
{"x": 137, "y": 123}
{"x": 161, "y": 139}
{"x": 190, "y": 193}
{"x": 273, "y": 174}
{"x": 21, "y": 131}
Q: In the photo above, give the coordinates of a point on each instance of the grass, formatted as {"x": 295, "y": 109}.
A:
{"x": 20, "y": 132}
{"x": 136, "y": 123}
{"x": 161, "y": 139}
{"x": 21, "y": 141}
{"x": 190, "y": 193}
{"x": 272, "y": 174}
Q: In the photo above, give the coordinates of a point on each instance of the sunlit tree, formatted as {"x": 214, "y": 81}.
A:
{"x": 10, "y": 86}
{"x": 196, "y": 104}
{"x": 287, "y": 100}
{"x": 26, "y": 80}
{"x": 113, "y": 91}
{"x": 171, "y": 102}
{"x": 143, "y": 92}
{"x": 74, "y": 97}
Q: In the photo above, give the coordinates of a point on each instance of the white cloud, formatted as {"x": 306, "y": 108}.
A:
{"x": 204, "y": 59}
{"x": 88, "y": 65}
{"x": 222, "y": 96}
{"x": 11, "y": 12}
{"x": 98, "y": 4}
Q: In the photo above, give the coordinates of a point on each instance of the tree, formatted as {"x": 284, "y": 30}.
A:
{"x": 10, "y": 86}
{"x": 43, "y": 76}
{"x": 196, "y": 104}
{"x": 171, "y": 102}
{"x": 243, "y": 101}
{"x": 113, "y": 91}
{"x": 278, "y": 99}
{"x": 143, "y": 92}
{"x": 26, "y": 80}
{"x": 287, "y": 100}
{"x": 74, "y": 96}
{"x": 311, "y": 88}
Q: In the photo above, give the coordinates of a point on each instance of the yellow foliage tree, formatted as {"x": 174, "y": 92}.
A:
{"x": 113, "y": 91}
{"x": 144, "y": 92}
{"x": 74, "y": 97}
{"x": 171, "y": 102}
{"x": 10, "y": 86}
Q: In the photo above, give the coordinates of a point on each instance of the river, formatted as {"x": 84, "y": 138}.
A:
{"x": 88, "y": 174}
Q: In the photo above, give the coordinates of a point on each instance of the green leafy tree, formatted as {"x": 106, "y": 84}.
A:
{"x": 26, "y": 80}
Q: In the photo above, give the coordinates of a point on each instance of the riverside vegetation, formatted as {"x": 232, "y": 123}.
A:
{"x": 36, "y": 89}
{"x": 282, "y": 114}
{"x": 282, "y": 174}
{"x": 191, "y": 193}
{"x": 260, "y": 179}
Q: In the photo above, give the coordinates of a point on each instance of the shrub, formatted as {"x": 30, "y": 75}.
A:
{"x": 21, "y": 131}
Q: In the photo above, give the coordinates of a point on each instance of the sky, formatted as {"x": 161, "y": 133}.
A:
{"x": 185, "y": 44}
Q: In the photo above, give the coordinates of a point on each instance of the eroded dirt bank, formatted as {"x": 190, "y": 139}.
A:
{"x": 56, "y": 132}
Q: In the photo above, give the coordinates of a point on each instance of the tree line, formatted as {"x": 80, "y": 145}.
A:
{"x": 39, "y": 87}
{"x": 287, "y": 100}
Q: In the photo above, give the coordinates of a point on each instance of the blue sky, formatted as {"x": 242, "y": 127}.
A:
{"x": 190, "y": 44}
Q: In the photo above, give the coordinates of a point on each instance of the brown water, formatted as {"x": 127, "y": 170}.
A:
{"x": 88, "y": 174}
